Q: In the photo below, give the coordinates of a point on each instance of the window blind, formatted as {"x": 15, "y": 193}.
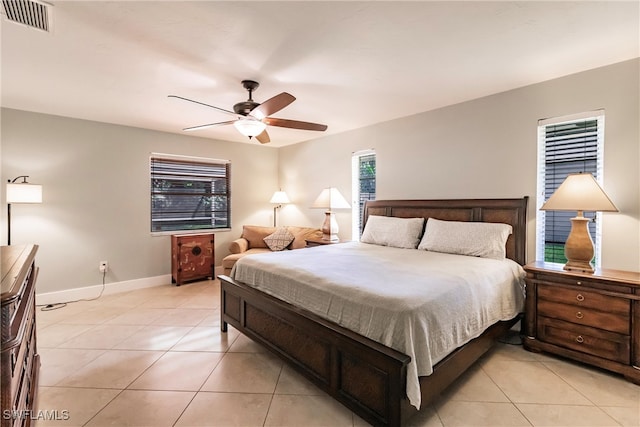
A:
{"x": 189, "y": 194}
{"x": 364, "y": 186}
{"x": 566, "y": 147}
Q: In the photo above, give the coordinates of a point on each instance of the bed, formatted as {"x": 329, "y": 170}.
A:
{"x": 368, "y": 377}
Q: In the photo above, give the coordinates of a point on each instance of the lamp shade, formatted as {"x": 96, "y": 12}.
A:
{"x": 249, "y": 127}
{"x": 24, "y": 193}
{"x": 279, "y": 197}
{"x": 579, "y": 192}
{"x": 330, "y": 198}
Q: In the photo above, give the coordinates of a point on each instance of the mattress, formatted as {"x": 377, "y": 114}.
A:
{"x": 424, "y": 304}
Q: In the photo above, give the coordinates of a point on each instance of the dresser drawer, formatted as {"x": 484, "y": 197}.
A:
{"x": 584, "y": 298}
{"x": 582, "y": 281}
{"x": 586, "y": 316}
{"x": 10, "y": 307}
{"x": 584, "y": 339}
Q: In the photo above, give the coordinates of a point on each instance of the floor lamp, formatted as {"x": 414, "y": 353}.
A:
{"x": 20, "y": 192}
{"x": 278, "y": 198}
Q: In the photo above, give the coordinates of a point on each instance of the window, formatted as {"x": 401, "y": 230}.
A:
{"x": 363, "y": 167}
{"x": 566, "y": 145}
{"x": 189, "y": 194}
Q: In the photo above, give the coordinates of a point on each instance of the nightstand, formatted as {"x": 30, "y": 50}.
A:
{"x": 319, "y": 242}
{"x": 591, "y": 318}
{"x": 192, "y": 257}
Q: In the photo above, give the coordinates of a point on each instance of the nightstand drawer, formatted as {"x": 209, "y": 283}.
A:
{"x": 584, "y": 298}
{"x": 584, "y": 339}
{"x": 581, "y": 282}
{"x": 585, "y": 316}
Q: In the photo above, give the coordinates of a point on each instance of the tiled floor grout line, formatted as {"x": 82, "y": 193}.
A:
{"x": 185, "y": 408}
{"x": 103, "y": 407}
{"x": 275, "y": 387}
{"x": 568, "y": 383}
{"x": 516, "y": 407}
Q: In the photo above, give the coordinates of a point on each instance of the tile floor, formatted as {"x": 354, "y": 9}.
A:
{"x": 156, "y": 357}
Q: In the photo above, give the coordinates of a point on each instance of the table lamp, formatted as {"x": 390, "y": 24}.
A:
{"x": 330, "y": 198}
{"x": 579, "y": 192}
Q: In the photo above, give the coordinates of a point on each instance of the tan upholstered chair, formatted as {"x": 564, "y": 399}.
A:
{"x": 252, "y": 242}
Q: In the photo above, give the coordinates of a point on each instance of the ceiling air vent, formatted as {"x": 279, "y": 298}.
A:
{"x": 32, "y": 13}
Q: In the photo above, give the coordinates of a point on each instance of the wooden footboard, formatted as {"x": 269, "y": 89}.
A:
{"x": 367, "y": 377}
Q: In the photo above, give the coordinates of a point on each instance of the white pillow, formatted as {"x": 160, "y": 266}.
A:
{"x": 392, "y": 231}
{"x": 279, "y": 239}
{"x": 481, "y": 239}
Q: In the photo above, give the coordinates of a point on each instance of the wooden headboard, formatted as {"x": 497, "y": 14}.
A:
{"x": 506, "y": 211}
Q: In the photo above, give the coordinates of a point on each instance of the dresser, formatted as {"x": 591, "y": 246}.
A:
{"x": 591, "y": 318}
{"x": 20, "y": 362}
{"x": 192, "y": 257}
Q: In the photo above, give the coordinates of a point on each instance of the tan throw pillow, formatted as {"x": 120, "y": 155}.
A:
{"x": 279, "y": 240}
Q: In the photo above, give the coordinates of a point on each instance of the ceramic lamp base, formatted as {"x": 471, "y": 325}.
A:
{"x": 330, "y": 227}
{"x": 579, "y": 247}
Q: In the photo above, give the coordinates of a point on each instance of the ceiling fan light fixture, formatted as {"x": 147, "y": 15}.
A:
{"x": 249, "y": 127}
{"x": 251, "y": 118}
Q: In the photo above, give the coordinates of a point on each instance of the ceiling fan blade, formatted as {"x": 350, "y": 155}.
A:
{"x": 263, "y": 137}
{"x": 272, "y": 105}
{"x": 294, "y": 124}
{"x": 199, "y": 127}
{"x": 202, "y": 103}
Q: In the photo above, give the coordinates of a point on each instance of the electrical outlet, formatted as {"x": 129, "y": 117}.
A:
{"x": 103, "y": 267}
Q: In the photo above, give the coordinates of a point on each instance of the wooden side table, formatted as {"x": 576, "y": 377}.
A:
{"x": 319, "y": 242}
{"x": 192, "y": 257}
{"x": 591, "y": 318}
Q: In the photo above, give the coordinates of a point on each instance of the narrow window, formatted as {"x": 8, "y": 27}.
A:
{"x": 566, "y": 145}
{"x": 363, "y": 167}
{"x": 189, "y": 194}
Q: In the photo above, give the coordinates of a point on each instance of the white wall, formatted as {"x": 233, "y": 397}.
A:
{"x": 96, "y": 203}
{"x": 96, "y": 181}
{"x": 485, "y": 148}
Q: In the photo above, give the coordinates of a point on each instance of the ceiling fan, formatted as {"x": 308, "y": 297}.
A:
{"x": 253, "y": 117}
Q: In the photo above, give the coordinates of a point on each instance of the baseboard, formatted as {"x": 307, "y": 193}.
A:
{"x": 89, "y": 292}
{"x": 218, "y": 270}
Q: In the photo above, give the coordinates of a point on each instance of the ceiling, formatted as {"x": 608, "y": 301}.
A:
{"x": 349, "y": 64}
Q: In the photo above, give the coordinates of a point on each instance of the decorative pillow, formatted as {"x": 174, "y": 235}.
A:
{"x": 481, "y": 239}
{"x": 392, "y": 231}
{"x": 279, "y": 239}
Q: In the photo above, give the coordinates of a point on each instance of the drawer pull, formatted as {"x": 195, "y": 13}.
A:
{"x": 578, "y": 282}
{"x": 580, "y": 297}
{"x": 579, "y": 315}
{"x": 579, "y": 339}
